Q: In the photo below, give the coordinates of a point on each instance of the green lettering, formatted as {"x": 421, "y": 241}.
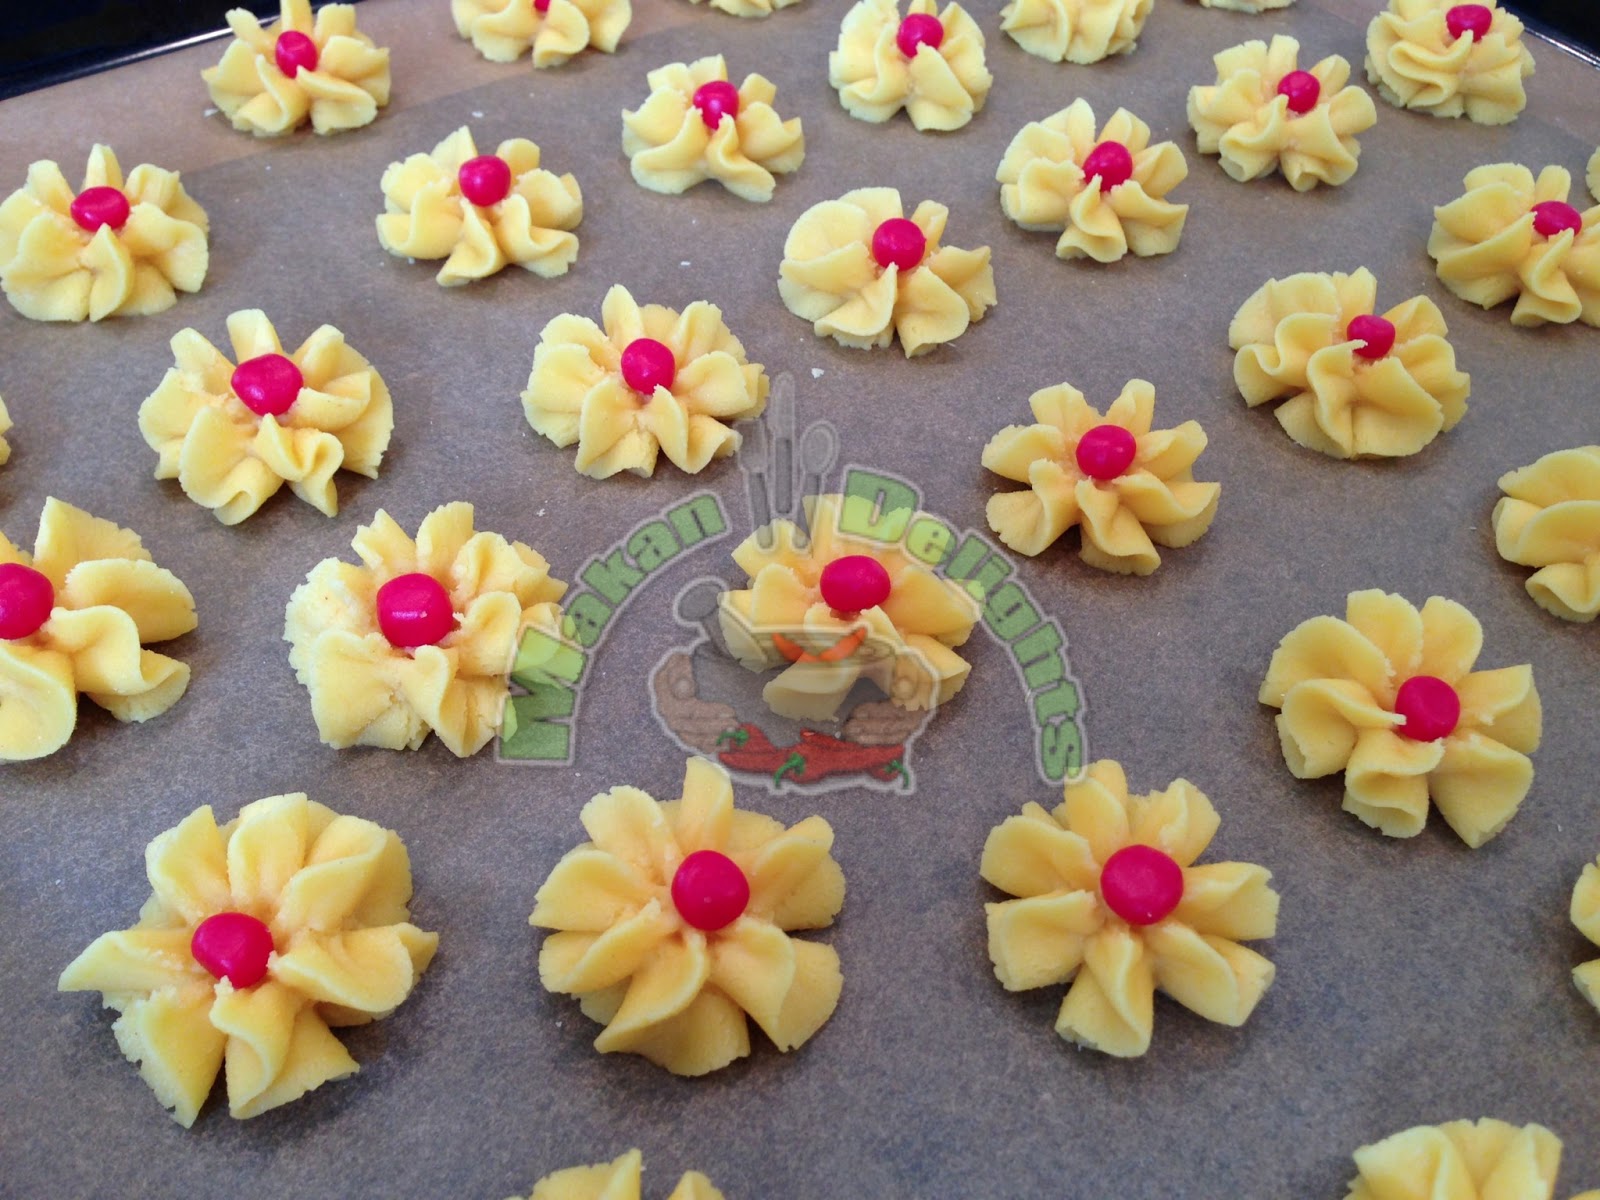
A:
{"x": 527, "y": 735}
{"x": 929, "y": 540}
{"x": 1044, "y": 640}
{"x": 585, "y": 619}
{"x": 697, "y": 519}
{"x": 542, "y": 657}
{"x": 1009, "y": 613}
{"x": 651, "y": 545}
{"x": 1061, "y": 750}
{"x": 1044, "y": 671}
{"x": 613, "y": 577}
{"x": 877, "y": 507}
{"x": 1059, "y": 701}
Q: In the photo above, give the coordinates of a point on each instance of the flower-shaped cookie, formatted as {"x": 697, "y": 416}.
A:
{"x": 257, "y": 938}
{"x": 1079, "y": 31}
{"x": 1265, "y": 114}
{"x": 861, "y": 273}
{"x": 503, "y": 30}
{"x": 1585, "y": 913}
{"x": 1450, "y": 59}
{"x": 113, "y": 249}
{"x": 1357, "y": 384}
{"x": 1109, "y": 899}
{"x": 5, "y": 428}
{"x": 615, "y": 1180}
{"x": 73, "y": 618}
{"x": 672, "y": 924}
{"x": 271, "y": 80}
{"x": 1388, "y": 696}
{"x": 749, "y": 8}
{"x": 697, "y": 126}
{"x": 1511, "y": 235}
{"x": 1106, "y": 191}
{"x": 651, "y": 381}
{"x": 837, "y": 606}
{"x": 1127, "y": 486}
{"x": 1461, "y": 1160}
{"x": 1549, "y": 518}
{"x": 479, "y": 212}
{"x": 233, "y": 435}
{"x": 418, "y": 637}
{"x": 930, "y": 64}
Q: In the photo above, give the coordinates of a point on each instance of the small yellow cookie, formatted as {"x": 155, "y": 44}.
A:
{"x": 695, "y": 126}
{"x": 615, "y": 1180}
{"x": 233, "y": 435}
{"x": 705, "y": 897}
{"x": 1461, "y": 1160}
{"x": 930, "y": 64}
{"x": 1265, "y": 114}
{"x": 555, "y": 30}
{"x": 1549, "y": 518}
{"x": 1077, "y": 31}
{"x": 1450, "y": 59}
{"x": 116, "y": 248}
{"x": 271, "y": 81}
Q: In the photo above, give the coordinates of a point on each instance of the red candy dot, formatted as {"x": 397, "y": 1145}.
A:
{"x": 918, "y": 30}
{"x": 1553, "y": 217}
{"x": 541, "y": 6}
{"x": 485, "y": 180}
{"x": 1375, "y": 334}
{"x": 1302, "y": 89}
{"x": 854, "y": 583}
{"x": 1141, "y": 884}
{"x": 26, "y": 598}
{"x": 233, "y": 946}
{"x": 415, "y": 610}
{"x": 1469, "y": 18}
{"x": 295, "y": 52}
{"x": 648, "y": 364}
{"x": 1106, "y": 451}
{"x": 1430, "y": 706}
{"x": 709, "y": 890}
{"x": 1111, "y": 162}
{"x": 268, "y": 384}
{"x": 99, "y": 206}
{"x": 716, "y": 100}
{"x": 899, "y": 243}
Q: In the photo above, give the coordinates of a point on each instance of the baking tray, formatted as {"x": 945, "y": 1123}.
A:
{"x": 1417, "y": 981}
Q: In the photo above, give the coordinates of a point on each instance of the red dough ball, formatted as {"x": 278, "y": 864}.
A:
{"x": 1431, "y": 707}
{"x": 485, "y": 180}
{"x": 295, "y": 52}
{"x": 97, "y": 206}
{"x": 26, "y": 600}
{"x": 918, "y": 30}
{"x": 1376, "y": 335}
{"x": 1141, "y": 884}
{"x": 1553, "y": 217}
{"x": 709, "y": 890}
{"x": 854, "y": 583}
{"x": 233, "y": 946}
{"x": 268, "y": 384}
{"x": 1106, "y": 451}
{"x": 1111, "y": 163}
{"x": 716, "y": 100}
{"x": 648, "y": 364}
{"x": 899, "y": 243}
{"x": 1302, "y": 89}
{"x": 1468, "y": 18}
{"x": 415, "y": 610}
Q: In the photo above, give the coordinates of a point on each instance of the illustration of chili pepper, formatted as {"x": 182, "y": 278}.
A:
{"x": 840, "y": 650}
{"x": 748, "y": 749}
{"x": 817, "y": 755}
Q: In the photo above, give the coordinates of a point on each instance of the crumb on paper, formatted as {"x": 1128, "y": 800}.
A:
{"x": 540, "y": 513}
{"x": 816, "y": 372}
{"x": 684, "y": 263}
{"x": 477, "y": 114}
{"x": 211, "y": 112}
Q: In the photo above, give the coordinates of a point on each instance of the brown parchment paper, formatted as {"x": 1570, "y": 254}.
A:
{"x": 1417, "y": 981}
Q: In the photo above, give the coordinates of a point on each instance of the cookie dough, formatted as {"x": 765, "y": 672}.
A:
{"x": 1450, "y": 59}
{"x": 930, "y": 64}
{"x": 1549, "y": 518}
{"x": 555, "y": 30}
